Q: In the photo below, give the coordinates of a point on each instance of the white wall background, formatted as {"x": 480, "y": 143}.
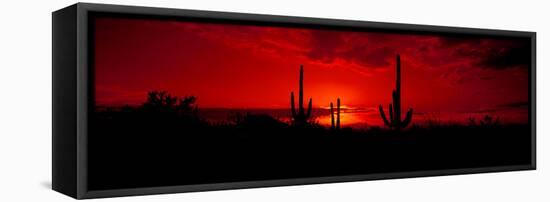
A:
{"x": 25, "y": 100}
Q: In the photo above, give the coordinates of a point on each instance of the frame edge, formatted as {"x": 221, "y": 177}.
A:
{"x": 64, "y": 145}
{"x": 82, "y": 65}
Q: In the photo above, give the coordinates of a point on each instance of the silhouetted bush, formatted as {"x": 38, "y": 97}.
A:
{"x": 165, "y": 142}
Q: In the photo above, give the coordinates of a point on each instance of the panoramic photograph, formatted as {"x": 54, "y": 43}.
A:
{"x": 179, "y": 102}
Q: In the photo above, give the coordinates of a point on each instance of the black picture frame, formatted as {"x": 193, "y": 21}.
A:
{"x": 72, "y": 76}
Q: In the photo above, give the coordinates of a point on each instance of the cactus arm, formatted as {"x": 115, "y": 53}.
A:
{"x": 407, "y": 119}
{"x": 383, "y": 115}
{"x": 292, "y": 109}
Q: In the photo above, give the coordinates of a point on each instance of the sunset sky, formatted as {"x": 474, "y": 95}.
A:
{"x": 245, "y": 66}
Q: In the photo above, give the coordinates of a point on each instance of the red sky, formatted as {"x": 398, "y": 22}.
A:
{"x": 244, "y": 66}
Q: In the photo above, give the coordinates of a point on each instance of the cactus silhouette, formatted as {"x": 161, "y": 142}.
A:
{"x": 333, "y": 126}
{"x": 300, "y": 117}
{"x": 395, "y": 109}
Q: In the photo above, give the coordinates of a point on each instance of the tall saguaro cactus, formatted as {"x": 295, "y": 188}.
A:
{"x": 300, "y": 117}
{"x": 337, "y": 125}
{"x": 395, "y": 109}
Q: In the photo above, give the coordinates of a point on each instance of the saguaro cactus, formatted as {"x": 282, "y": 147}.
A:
{"x": 395, "y": 109}
{"x": 333, "y": 126}
{"x": 300, "y": 117}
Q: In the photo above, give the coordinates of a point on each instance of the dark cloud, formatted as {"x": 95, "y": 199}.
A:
{"x": 377, "y": 50}
{"x": 495, "y": 54}
{"x": 451, "y": 41}
{"x": 373, "y": 57}
{"x": 504, "y": 58}
{"x": 324, "y": 45}
{"x": 362, "y": 49}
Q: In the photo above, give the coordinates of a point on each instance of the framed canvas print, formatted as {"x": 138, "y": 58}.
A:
{"x": 153, "y": 100}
